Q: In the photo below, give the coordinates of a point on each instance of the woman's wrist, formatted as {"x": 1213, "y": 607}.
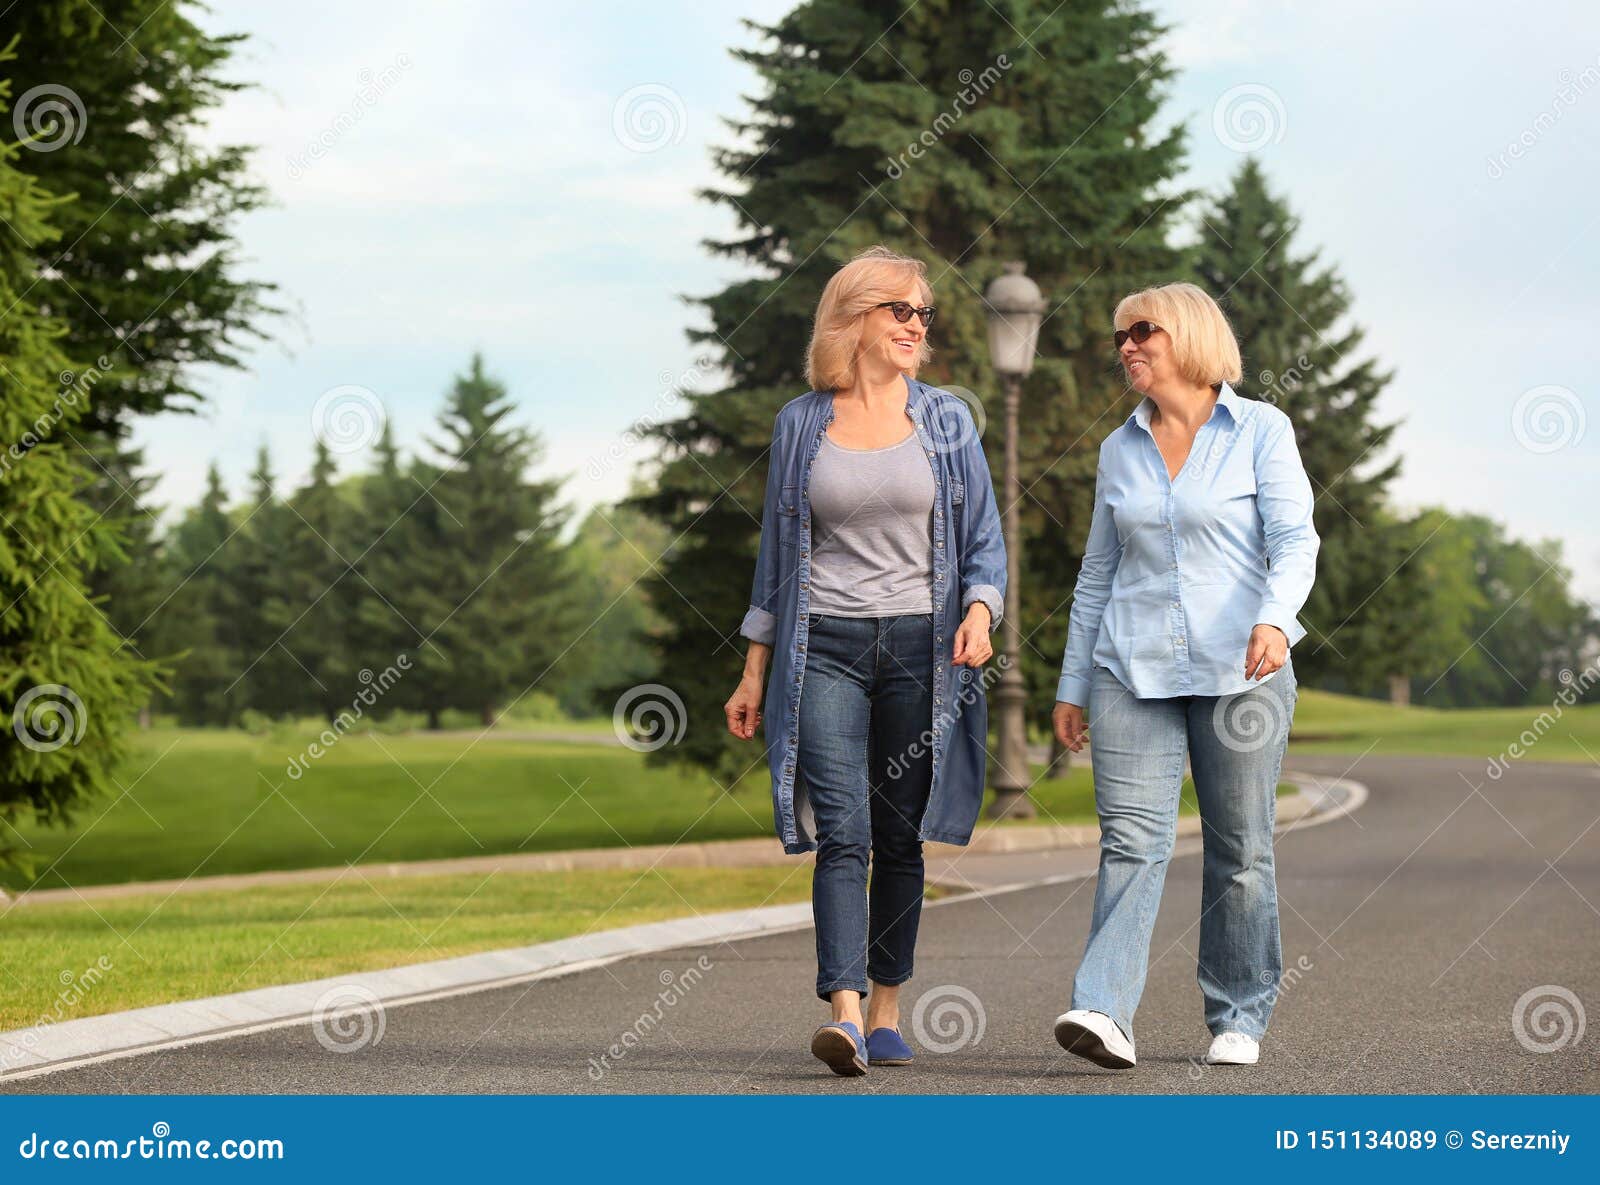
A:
{"x": 755, "y": 661}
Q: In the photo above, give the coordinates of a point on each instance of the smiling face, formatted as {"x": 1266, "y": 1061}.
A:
{"x": 1148, "y": 363}
{"x": 887, "y": 340}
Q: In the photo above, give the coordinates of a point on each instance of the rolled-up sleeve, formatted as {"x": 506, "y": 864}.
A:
{"x": 1101, "y": 555}
{"x": 1284, "y": 501}
{"x": 761, "y": 620}
{"x": 983, "y": 563}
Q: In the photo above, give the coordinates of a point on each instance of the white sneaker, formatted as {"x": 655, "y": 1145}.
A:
{"x": 1095, "y": 1036}
{"x": 1233, "y": 1049}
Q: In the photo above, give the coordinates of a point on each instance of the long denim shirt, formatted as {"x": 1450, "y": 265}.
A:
{"x": 969, "y": 564}
{"x": 1178, "y": 571}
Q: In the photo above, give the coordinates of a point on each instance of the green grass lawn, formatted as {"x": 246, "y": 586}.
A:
{"x": 1326, "y": 723}
{"x": 208, "y": 802}
{"x": 157, "y": 950}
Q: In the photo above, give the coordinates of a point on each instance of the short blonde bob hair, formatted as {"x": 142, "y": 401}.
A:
{"x": 871, "y": 278}
{"x": 1203, "y": 344}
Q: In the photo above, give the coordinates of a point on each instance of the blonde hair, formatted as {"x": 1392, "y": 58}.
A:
{"x": 872, "y": 277}
{"x": 1203, "y": 345}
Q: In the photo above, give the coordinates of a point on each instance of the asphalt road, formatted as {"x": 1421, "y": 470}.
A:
{"x": 1411, "y": 930}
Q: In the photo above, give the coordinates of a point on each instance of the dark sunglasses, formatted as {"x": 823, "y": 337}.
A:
{"x": 1139, "y": 331}
{"x": 902, "y": 311}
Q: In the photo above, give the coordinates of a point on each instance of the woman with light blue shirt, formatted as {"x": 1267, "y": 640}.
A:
{"x": 1200, "y": 553}
{"x": 880, "y": 577}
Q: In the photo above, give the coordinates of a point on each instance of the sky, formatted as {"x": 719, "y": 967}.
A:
{"x": 518, "y": 179}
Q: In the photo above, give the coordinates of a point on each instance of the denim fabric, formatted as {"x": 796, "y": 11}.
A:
{"x": 969, "y": 564}
{"x": 1235, "y": 745}
{"x": 868, "y": 695}
{"x": 1177, "y": 571}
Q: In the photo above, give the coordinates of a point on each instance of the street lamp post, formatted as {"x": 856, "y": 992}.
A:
{"x": 1015, "y": 309}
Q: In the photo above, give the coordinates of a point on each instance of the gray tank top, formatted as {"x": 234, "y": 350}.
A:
{"x": 871, "y": 530}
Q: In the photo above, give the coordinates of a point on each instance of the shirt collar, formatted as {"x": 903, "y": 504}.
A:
{"x": 1227, "y": 397}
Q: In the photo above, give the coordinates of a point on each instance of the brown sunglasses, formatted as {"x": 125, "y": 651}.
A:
{"x": 902, "y": 311}
{"x": 1139, "y": 331}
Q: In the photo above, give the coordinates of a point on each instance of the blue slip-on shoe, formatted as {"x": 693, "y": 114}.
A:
{"x": 839, "y": 1044}
{"x": 885, "y": 1047}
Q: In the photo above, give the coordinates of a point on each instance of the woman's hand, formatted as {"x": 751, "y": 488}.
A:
{"x": 1069, "y": 726}
{"x": 1267, "y": 651}
{"x": 972, "y": 637}
{"x": 744, "y": 707}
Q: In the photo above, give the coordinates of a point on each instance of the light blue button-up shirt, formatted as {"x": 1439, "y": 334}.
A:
{"x": 1177, "y": 572}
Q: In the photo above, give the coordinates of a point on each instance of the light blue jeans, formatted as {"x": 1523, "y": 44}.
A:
{"x": 1235, "y": 746}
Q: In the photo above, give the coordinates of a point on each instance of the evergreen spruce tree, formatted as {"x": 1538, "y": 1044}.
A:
{"x": 498, "y": 560}
{"x": 130, "y": 588}
{"x": 68, "y": 687}
{"x": 400, "y": 568}
{"x": 325, "y": 588}
{"x": 1290, "y": 313}
{"x": 969, "y": 136}
{"x": 204, "y": 612}
{"x": 114, "y": 96}
{"x": 265, "y": 586}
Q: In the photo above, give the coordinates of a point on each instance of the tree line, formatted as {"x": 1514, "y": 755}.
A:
{"x": 453, "y": 566}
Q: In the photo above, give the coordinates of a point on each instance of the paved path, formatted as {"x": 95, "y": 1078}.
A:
{"x": 1410, "y": 930}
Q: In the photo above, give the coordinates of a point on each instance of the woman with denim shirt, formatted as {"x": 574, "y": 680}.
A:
{"x": 1201, "y": 551}
{"x": 880, "y": 576}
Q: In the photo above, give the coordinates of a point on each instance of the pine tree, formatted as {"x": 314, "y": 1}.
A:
{"x": 115, "y": 95}
{"x": 131, "y": 588}
{"x": 325, "y": 588}
{"x": 399, "y": 565}
{"x": 969, "y": 136}
{"x": 1290, "y": 313}
{"x": 264, "y": 584}
{"x": 68, "y": 687}
{"x": 498, "y": 552}
{"x": 204, "y": 612}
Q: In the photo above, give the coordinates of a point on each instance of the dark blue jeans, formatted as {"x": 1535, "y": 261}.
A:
{"x": 865, "y": 751}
